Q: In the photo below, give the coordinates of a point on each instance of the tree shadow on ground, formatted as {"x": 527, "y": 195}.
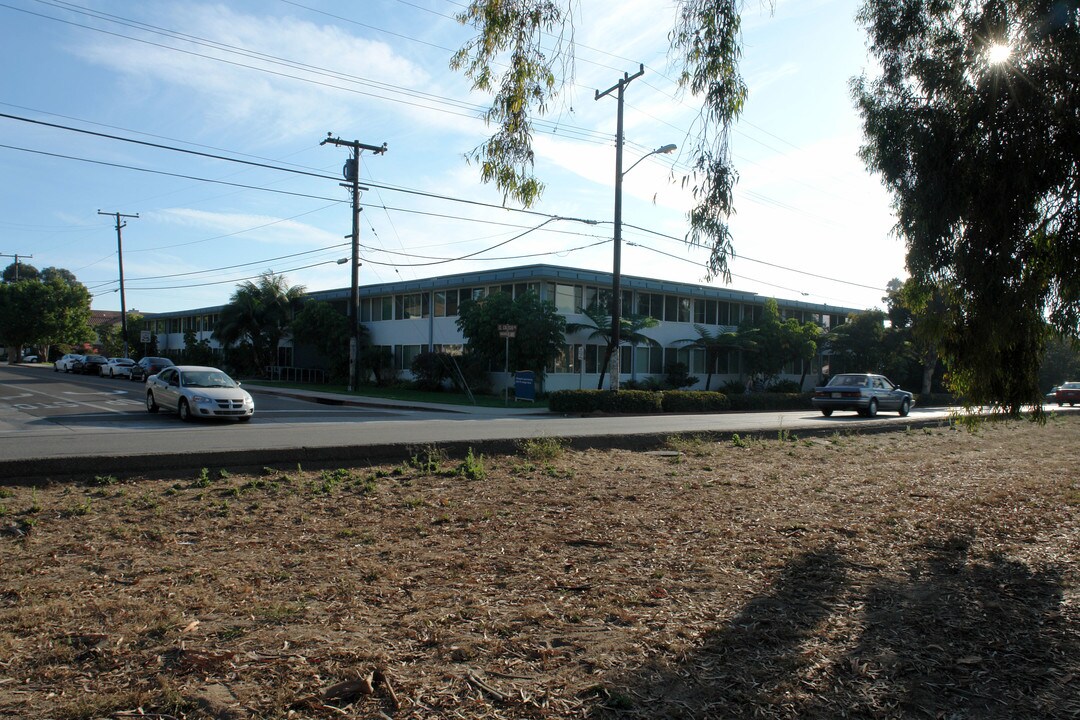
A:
{"x": 954, "y": 639}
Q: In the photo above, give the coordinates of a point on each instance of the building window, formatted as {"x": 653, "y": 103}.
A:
{"x": 365, "y": 310}
{"x": 410, "y": 307}
{"x": 451, "y": 303}
{"x": 386, "y": 305}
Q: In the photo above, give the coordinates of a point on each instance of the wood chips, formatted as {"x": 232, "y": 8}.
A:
{"x": 917, "y": 574}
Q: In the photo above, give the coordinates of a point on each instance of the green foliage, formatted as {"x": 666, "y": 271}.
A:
{"x": 858, "y": 345}
{"x": 716, "y": 344}
{"x": 203, "y": 478}
{"x": 512, "y": 32}
{"x": 324, "y": 328}
{"x": 631, "y": 333}
{"x": 543, "y": 448}
{"x": 677, "y": 375}
{"x": 638, "y": 402}
{"x": 529, "y": 39}
{"x": 694, "y": 401}
{"x": 540, "y": 330}
{"x": 773, "y": 343}
{"x": 256, "y": 319}
{"x": 44, "y": 311}
{"x": 980, "y": 158}
{"x": 431, "y": 370}
{"x": 472, "y": 467}
{"x": 195, "y": 352}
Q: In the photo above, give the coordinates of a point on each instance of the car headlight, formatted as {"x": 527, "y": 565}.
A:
{"x": 201, "y": 400}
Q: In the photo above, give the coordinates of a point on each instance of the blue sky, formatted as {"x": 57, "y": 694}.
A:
{"x": 264, "y": 81}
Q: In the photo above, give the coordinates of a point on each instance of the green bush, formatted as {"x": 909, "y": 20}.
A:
{"x": 694, "y": 401}
{"x": 574, "y": 401}
{"x": 632, "y": 401}
{"x": 783, "y": 386}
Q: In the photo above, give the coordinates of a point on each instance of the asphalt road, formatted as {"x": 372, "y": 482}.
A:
{"x": 56, "y": 424}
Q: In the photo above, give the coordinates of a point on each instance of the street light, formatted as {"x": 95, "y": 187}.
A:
{"x": 616, "y": 273}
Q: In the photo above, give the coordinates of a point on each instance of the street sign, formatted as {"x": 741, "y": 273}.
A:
{"x": 144, "y": 336}
{"x": 507, "y": 331}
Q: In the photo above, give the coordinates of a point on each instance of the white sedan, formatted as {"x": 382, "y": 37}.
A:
{"x": 117, "y": 367}
{"x": 195, "y": 391}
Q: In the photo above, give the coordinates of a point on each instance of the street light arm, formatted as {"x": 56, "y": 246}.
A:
{"x": 658, "y": 151}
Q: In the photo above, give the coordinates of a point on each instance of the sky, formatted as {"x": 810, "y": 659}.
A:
{"x": 265, "y": 81}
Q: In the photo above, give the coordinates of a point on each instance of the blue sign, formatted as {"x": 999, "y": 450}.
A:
{"x": 524, "y": 387}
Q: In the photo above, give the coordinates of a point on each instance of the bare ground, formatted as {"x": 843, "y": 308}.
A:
{"x": 919, "y": 574}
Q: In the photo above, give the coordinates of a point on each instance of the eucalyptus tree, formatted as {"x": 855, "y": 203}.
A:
{"x": 523, "y": 53}
{"x": 973, "y": 125}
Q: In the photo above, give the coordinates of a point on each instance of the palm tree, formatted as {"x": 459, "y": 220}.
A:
{"x": 259, "y": 314}
{"x": 630, "y": 327}
{"x": 713, "y": 344}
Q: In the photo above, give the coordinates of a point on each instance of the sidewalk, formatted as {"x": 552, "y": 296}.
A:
{"x": 332, "y": 398}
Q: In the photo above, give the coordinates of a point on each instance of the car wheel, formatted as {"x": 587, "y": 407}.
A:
{"x": 55, "y": 369}
{"x": 827, "y": 412}
{"x": 151, "y": 404}
{"x": 871, "y": 409}
{"x": 905, "y": 408}
{"x": 184, "y": 410}
{"x": 244, "y": 418}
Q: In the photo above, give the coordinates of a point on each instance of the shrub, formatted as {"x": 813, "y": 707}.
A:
{"x": 677, "y": 375}
{"x": 694, "y": 401}
{"x": 632, "y": 401}
{"x": 784, "y": 386}
{"x": 431, "y": 369}
{"x": 575, "y": 401}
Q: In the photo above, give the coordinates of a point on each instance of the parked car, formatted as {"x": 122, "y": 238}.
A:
{"x": 30, "y": 359}
{"x": 67, "y": 362}
{"x": 90, "y": 364}
{"x": 118, "y": 367}
{"x": 196, "y": 391}
{"x": 862, "y": 392}
{"x": 1068, "y": 393}
{"x": 1052, "y": 395}
{"x": 148, "y": 366}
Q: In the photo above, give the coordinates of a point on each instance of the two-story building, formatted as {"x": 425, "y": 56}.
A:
{"x": 413, "y": 316}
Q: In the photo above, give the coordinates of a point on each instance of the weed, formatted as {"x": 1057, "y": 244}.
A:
{"x": 224, "y": 474}
{"x": 472, "y": 467}
{"x": 203, "y": 479}
{"x": 3, "y": 510}
{"x": 543, "y": 448}
{"x": 738, "y": 441}
{"x": 414, "y": 502}
{"x": 6, "y": 493}
{"x": 428, "y": 461}
{"x": 35, "y": 504}
{"x": 365, "y": 485}
{"x": 104, "y": 480}
{"x": 330, "y": 480}
{"x": 79, "y": 509}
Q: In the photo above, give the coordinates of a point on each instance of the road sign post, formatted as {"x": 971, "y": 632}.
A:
{"x": 507, "y": 331}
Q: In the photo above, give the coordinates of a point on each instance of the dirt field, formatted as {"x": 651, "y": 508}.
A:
{"x": 919, "y": 574}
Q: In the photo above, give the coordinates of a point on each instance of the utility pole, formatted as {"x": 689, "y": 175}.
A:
{"x": 616, "y": 273}
{"x": 16, "y": 256}
{"x": 120, "y": 254}
{"x": 351, "y": 171}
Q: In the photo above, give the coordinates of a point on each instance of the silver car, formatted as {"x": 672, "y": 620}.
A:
{"x": 118, "y": 367}
{"x": 195, "y": 391}
{"x": 862, "y": 392}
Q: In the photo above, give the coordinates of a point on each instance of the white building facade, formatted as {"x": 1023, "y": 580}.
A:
{"x": 414, "y": 316}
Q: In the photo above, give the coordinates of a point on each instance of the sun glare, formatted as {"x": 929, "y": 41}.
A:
{"x": 998, "y": 53}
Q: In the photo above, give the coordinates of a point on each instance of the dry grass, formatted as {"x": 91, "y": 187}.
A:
{"x": 922, "y": 574}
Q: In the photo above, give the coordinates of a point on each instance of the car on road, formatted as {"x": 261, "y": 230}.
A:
{"x": 30, "y": 359}
{"x": 197, "y": 391}
{"x": 67, "y": 362}
{"x": 118, "y": 367}
{"x": 148, "y": 366}
{"x": 865, "y": 393}
{"x": 90, "y": 364}
{"x": 1068, "y": 393}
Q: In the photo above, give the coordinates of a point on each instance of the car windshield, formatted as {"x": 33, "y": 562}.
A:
{"x": 207, "y": 379}
{"x": 1071, "y": 385}
{"x": 848, "y": 380}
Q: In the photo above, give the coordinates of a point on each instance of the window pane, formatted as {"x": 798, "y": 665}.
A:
{"x": 699, "y": 311}
{"x": 565, "y": 298}
{"x": 671, "y": 308}
{"x": 684, "y": 310}
{"x": 440, "y": 303}
{"x": 451, "y": 303}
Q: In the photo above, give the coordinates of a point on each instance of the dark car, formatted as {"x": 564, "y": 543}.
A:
{"x": 1068, "y": 393}
{"x": 149, "y": 366}
{"x": 862, "y": 392}
{"x": 90, "y": 365}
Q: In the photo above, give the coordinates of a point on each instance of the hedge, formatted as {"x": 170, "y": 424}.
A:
{"x": 636, "y": 401}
